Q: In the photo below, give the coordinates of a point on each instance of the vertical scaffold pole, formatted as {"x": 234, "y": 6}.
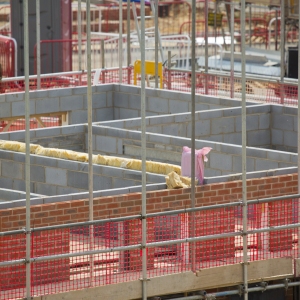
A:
{"x": 27, "y": 154}
{"x": 206, "y": 47}
{"x": 156, "y": 42}
{"x": 90, "y": 138}
{"x": 143, "y": 154}
{"x": 282, "y": 50}
{"x": 193, "y": 147}
{"x": 298, "y": 204}
{"x": 79, "y": 32}
{"x": 244, "y": 151}
{"x": 232, "y": 50}
{"x": 120, "y": 40}
{"x": 38, "y": 45}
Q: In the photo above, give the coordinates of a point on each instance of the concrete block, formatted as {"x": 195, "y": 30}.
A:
{"x": 102, "y": 183}
{"x": 128, "y": 113}
{"x": 222, "y": 125}
{"x": 119, "y": 133}
{"x": 180, "y": 118}
{"x": 165, "y": 119}
{"x": 264, "y": 121}
{"x": 79, "y": 90}
{"x": 67, "y": 164}
{"x": 62, "y": 190}
{"x": 157, "y": 105}
{"x": 2, "y": 98}
{"x": 20, "y": 135}
{"x": 78, "y": 180}
{"x": 167, "y": 129}
{"x": 134, "y": 102}
{"x": 12, "y": 169}
{"x": 211, "y": 114}
{"x": 6, "y": 155}
{"x": 129, "y": 89}
{"x": 277, "y": 137}
{"x": 99, "y": 100}
{"x": 78, "y": 117}
{"x": 290, "y": 139}
{"x": 202, "y": 128}
{"x": 107, "y": 87}
{"x": 220, "y": 161}
{"x": 41, "y": 94}
{"x": 134, "y": 135}
{"x": 47, "y": 106}
{"x": 15, "y": 97}
{"x": 283, "y": 122}
{"x": 6, "y": 183}
{"x": 290, "y": 110}
{"x": 231, "y": 112}
{"x": 18, "y": 108}
{"x": 237, "y": 164}
{"x": 278, "y": 155}
{"x": 264, "y": 164}
{"x": 259, "y": 138}
{"x": 104, "y": 114}
{"x": 122, "y": 183}
{"x": 37, "y": 173}
{"x": 116, "y": 113}
{"x": 201, "y": 107}
{"x": 256, "y": 152}
{"x": 46, "y": 189}
{"x": 176, "y": 106}
{"x": 72, "y": 102}
{"x": 56, "y": 176}
{"x": 48, "y": 132}
{"x": 106, "y": 144}
{"x": 232, "y": 138}
{"x": 134, "y": 123}
{"x": 259, "y": 109}
{"x": 45, "y": 161}
{"x": 109, "y": 99}
{"x": 73, "y": 129}
{"x": 132, "y": 175}
{"x": 158, "y": 138}
{"x": 19, "y": 185}
{"x": 62, "y": 92}
{"x": 121, "y": 100}
{"x": 5, "y": 110}
{"x": 120, "y": 148}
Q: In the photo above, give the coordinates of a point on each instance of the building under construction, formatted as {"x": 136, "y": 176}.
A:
{"x": 100, "y": 196}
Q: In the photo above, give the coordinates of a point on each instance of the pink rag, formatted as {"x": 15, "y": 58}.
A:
{"x": 200, "y": 157}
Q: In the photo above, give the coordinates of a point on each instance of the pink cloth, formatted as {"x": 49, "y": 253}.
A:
{"x": 200, "y": 157}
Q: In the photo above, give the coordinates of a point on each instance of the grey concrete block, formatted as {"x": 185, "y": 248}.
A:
{"x": 237, "y": 164}
{"x": 166, "y": 130}
{"x": 158, "y": 105}
{"x": 78, "y": 117}
{"x": 220, "y": 161}
{"x": 290, "y": 139}
{"x": 6, "y": 155}
{"x": 62, "y": 190}
{"x": 176, "y": 106}
{"x": 12, "y": 169}
{"x": 56, "y": 176}
{"x": 62, "y": 92}
{"x": 232, "y": 138}
{"x": 134, "y": 102}
{"x": 283, "y": 122}
{"x": 38, "y": 94}
{"x": 72, "y": 102}
{"x": 67, "y": 164}
{"x": 201, "y": 107}
{"x": 264, "y": 121}
{"x": 107, "y": 87}
{"x": 18, "y": 108}
{"x": 123, "y": 183}
{"x": 73, "y": 129}
{"x": 104, "y": 114}
{"x": 259, "y": 138}
{"x": 45, "y": 161}
{"x": 99, "y": 100}
{"x": 47, "y": 105}
{"x": 264, "y": 164}
{"x": 277, "y": 137}
{"x": 79, "y": 91}
{"x": 290, "y": 110}
{"x": 106, "y": 144}
{"x": 222, "y": 125}
{"x": 46, "y": 189}
{"x": 78, "y": 180}
{"x": 256, "y": 152}
{"x": 15, "y": 97}
{"x": 48, "y": 132}
{"x": 202, "y": 128}
{"x": 116, "y": 113}
{"x": 211, "y": 114}
{"x": 102, "y": 182}
{"x": 37, "y": 173}
{"x": 5, "y": 110}
{"x": 6, "y": 183}
{"x": 2, "y": 98}
{"x": 121, "y": 100}
{"x": 128, "y": 113}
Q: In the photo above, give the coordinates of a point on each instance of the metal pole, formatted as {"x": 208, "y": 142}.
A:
{"x": 128, "y": 35}
{"x": 244, "y": 153}
{"x": 27, "y": 155}
{"x": 282, "y": 50}
{"x": 298, "y": 204}
{"x": 79, "y": 29}
{"x": 143, "y": 154}
{"x": 156, "y": 42}
{"x": 120, "y": 40}
{"x": 193, "y": 148}
{"x": 90, "y": 138}
{"x": 232, "y": 50}
{"x": 206, "y": 47}
{"x": 38, "y": 45}
{"x": 250, "y": 23}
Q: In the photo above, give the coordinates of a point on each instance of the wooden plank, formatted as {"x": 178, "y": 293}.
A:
{"x": 230, "y": 275}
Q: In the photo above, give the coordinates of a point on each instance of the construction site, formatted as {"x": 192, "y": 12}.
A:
{"x": 149, "y": 150}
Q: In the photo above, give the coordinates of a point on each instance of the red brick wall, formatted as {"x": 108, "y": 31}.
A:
{"x": 162, "y": 200}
